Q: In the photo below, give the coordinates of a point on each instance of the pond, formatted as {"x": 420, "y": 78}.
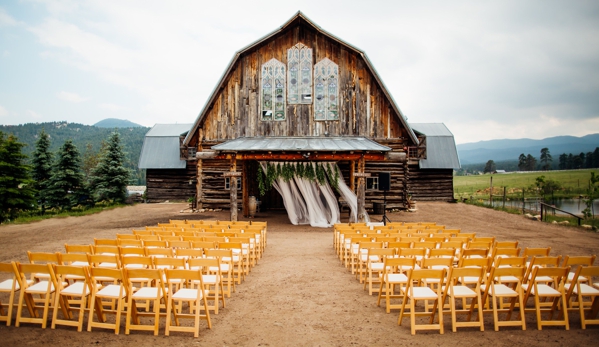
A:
{"x": 574, "y": 206}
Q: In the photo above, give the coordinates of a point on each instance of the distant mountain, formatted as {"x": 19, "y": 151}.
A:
{"x": 87, "y": 138}
{"x": 117, "y": 123}
{"x": 500, "y": 150}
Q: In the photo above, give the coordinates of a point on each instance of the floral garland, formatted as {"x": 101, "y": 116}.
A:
{"x": 317, "y": 173}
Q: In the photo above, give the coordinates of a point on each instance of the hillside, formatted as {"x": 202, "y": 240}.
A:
{"x": 87, "y": 138}
{"x": 116, "y": 123}
{"x": 501, "y": 150}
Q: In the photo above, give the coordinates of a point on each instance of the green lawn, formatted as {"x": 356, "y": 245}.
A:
{"x": 573, "y": 182}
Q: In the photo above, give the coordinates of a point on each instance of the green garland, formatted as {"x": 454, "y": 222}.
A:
{"x": 317, "y": 173}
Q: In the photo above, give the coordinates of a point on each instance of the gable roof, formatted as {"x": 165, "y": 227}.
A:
{"x": 161, "y": 147}
{"x": 298, "y": 15}
{"x": 441, "y": 151}
{"x": 302, "y": 144}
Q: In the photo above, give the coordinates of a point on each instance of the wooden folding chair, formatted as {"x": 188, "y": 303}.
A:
{"x": 155, "y": 243}
{"x": 108, "y": 261}
{"x": 156, "y": 252}
{"x": 194, "y": 297}
{"x": 213, "y": 280}
{"x": 43, "y": 258}
{"x": 537, "y": 286}
{"x": 44, "y": 288}
{"x": 10, "y": 285}
{"x": 126, "y": 243}
{"x": 225, "y": 257}
{"x": 456, "y": 289}
{"x": 237, "y": 259}
{"x": 498, "y": 291}
{"x": 360, "y": 259}
{"x": 188, "y": 253}
{"x": 154, "y": 293}
{"x": 126, "y": 252}
{"x": 417, "y": 291}
{"x": 583, "y": 290}
{"x": 374, "y": 268}
{"x": 126, "y": 237}
{"x": 106, "y": 284}
{"x": 575, "y": 261}
{"x": 106, "y": 242}
{"x": 73, "y": 259}
{"x": 71, "y": 297}
{"x": 394, "y": 274}
{"x": 83, "y": 249}
{"x": 106, "y": 250}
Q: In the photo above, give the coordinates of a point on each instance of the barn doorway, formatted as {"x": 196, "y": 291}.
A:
{"x": 272, "y": 200}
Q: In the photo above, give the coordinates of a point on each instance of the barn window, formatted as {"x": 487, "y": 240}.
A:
{"x": 272, "y": 97}
{"x": 326, "y": 90}
{"x": 299, "y": 74}
{"x": 228, "y": 183}
{"x": 372, "y": 183}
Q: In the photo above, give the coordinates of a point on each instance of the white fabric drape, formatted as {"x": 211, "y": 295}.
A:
{"x": 308, "y": 202}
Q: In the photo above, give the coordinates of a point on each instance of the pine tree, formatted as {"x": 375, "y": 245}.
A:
{"x": 546, "y": 158}
{"x": 16, "y": 187}
{"x": 110, "y": 177}
{"x": 42, "y": 168}
{"x": 65, "y": 188}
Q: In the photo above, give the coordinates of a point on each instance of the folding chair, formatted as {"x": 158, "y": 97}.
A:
{"x": 126, "y": 252}
{"x": 537, "y": 286}
{"x": 374, "y": 266}
{"x": 361, "y": 258}
{"x": 107, "y": 261}
{"x": 11, "y": 286}
{"x": 43, "y": 258}
{"x": 44, "y": 288}
{"x": 156, "y": 252}
{"x": 73, "y": 259}
{"x": 154, "y": 292}
{"x": 454, "y": 290}
{"x": 106, "y": 242}
{"x": 498, "y": 291}
{"x": 188, "y": 253}
{"x": 582, "y": 290}
{"x": 416, "y": 291}
{"x": 194, "y": 297}
{"x": 125, "y": 243}
{"x": 237, "y": 259}
{"x": 106, "y": 284}
{"x": 225, "y": 257}
{"x": 106, "y": 250}
{"x": 66, "y": 294}
{"x": 213, "y": 280}
{"x": 572, "y": 261}
{"x": 394, "y": 274}
{"x": 541, "y": 262}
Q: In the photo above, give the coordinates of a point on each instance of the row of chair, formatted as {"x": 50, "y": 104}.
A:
{"x": 496, "y": 270}
{"x": 71, "y": 292}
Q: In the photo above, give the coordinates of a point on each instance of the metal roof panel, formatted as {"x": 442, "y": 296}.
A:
{"x": 303, "y": 144}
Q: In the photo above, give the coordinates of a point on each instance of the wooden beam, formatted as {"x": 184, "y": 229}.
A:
{"x": 199, "y": 183}
{"x": 300, "y": 156}
{"x": 361, "y": 191}
{"x": 245, "y": 195}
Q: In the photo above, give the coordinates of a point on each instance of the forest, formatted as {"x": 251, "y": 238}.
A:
{"x": 88, "y": 139}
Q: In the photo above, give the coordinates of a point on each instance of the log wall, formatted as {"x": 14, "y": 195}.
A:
{"x": 171, "y": 184}
{"x": 431, "y": 184}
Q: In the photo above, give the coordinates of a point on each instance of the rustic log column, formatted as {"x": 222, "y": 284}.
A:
{"x": 199, "y": 183}
{"x": 361, "y": 191}
{"x": 352, "y": 170}
{"x": 233, "y": 188}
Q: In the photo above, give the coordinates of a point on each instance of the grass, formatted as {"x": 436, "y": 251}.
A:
{"x": 36, "y": 216}
{"x": 574, "y": 183}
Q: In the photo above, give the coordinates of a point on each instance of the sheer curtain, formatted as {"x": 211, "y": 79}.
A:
{"x": 308, "y": 202}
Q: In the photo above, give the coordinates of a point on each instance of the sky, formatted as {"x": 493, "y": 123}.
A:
{"x": 486, "y": 69}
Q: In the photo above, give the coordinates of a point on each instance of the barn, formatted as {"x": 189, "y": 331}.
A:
{"x": 295, "y": 113}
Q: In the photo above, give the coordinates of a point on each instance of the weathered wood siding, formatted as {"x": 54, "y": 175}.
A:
{"x": 171, "y": 184}
{"x": 364, "y": 110}
{"x": 431, "y": 184}
{"x": 214, "y": 194}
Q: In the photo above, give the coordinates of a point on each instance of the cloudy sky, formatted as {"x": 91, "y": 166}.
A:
{"x": 487, "y": 69}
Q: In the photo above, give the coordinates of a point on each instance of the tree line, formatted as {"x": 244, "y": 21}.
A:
{"x": 57, "y": 180}
{"x": 528, "y": 162}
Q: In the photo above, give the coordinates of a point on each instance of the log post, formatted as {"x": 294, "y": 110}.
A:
{"x": 361, "y": 191}
{"x": 199, "y": 182}
{"x": 352, "y": 170}
{"x": 233, "y": 188}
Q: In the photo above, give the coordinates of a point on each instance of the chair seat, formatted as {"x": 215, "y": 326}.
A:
{"x": 113, "y": 291}
{"x": 422, "y": 293}
{"x": 463, "y": 292}
{"x": 76, "y": 288}
{"x": 6, "y": 285}
{"x": 396, "y": 278}
{"x": 377, "y": 266}
{"x": 501, "y": 290}
{"x": 187, "y": 294}
{"x": 40, "y": 288}
{"x": 508, "y": 279}
{"x": 146, "y": 293}
{"x": 586, "y": 290}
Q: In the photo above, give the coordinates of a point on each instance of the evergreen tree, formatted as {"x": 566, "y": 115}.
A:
{"x": 16, "y": 187}
{"x": 65, "y": 188}
{"x": 522, "y": 162}
{"x": 531, "y": 163}
{"x": 42, "y": 168}
{"x": 110, "y": 177}
{"x": 596, "y": 157}
{"x": 490, "y": 167}
{"x": 563, "y": 161}
{"x": 546, "y": 159}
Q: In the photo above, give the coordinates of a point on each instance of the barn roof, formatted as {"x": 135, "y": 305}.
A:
{"x": 302, "y": 144}
{"x": 299, "y": 14}
{"x": 161, "y": 147}
{"x": 441, "y": 151}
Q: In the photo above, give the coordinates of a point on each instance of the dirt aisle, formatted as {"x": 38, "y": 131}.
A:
{"x": 299, "y": 294}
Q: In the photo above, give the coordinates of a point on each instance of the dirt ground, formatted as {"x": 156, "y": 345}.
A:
{"x": 299, "y": 294}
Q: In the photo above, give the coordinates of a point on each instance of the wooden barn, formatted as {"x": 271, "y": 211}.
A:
{"x": 302, "y": 95}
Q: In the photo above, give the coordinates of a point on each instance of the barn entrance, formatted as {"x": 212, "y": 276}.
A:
{"x": 272, "y": 200}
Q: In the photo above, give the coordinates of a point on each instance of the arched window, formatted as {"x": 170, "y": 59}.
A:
{"x": 299, "y": 74}
{"x": 326, "y": 90}
{"x": 272, "y": 95}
